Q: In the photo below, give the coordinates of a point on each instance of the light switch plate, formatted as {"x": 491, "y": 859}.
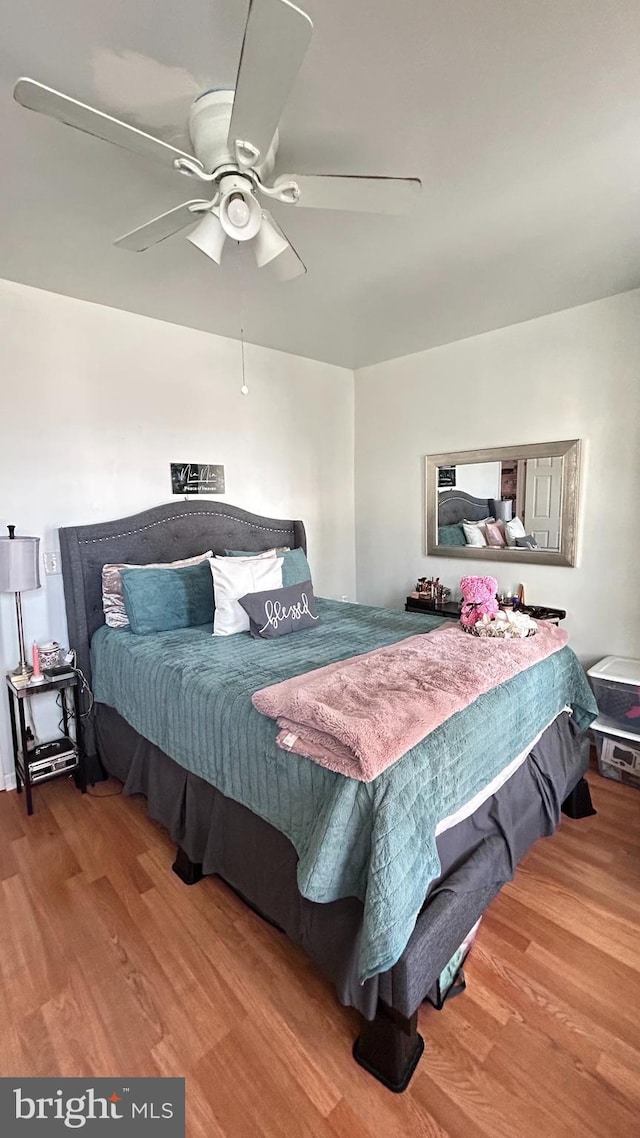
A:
{"x": 52, "y": 562}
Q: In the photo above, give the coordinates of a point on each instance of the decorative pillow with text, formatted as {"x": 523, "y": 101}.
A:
{"x": 277, "y": 612}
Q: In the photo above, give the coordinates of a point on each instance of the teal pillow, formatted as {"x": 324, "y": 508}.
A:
{"x": 159, "y": 600}
{"x": 295, "y": 567}
{"x": 451, "y": 535}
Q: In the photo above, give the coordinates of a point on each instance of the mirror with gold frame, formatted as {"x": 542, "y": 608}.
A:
{"x": 516, "y": 503}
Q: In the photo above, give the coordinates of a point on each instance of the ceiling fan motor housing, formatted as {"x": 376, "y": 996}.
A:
{"x": 209, "y": 121}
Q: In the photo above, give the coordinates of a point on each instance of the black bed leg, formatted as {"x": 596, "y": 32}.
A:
{"x": 188, "y": 871}
{"x": 578, "y": 804}
{"x": 389, "y": 1047}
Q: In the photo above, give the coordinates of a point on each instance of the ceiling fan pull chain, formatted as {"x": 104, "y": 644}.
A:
{"x": 244, "y": 390}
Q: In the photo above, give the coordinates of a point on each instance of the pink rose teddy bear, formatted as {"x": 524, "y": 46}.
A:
{"x": 478, "y": 598}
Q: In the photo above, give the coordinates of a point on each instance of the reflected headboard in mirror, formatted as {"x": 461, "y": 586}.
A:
{"x": 532, "y": 486}
{"x": 455, "y": 506}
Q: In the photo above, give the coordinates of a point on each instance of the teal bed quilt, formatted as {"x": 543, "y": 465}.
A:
{"x": 190, "y": 694}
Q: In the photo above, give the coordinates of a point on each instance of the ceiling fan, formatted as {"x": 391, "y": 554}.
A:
{"x": 234, "y": 135}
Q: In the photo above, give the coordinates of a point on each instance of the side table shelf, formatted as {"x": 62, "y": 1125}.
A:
{"x": 55, "y": 758}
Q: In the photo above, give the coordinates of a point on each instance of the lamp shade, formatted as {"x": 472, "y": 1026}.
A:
{"x": 19, "y": 564}
{"x": 269, "y": 243}
{"x": 209, "y": 236}
{"x": 501, "y": 510}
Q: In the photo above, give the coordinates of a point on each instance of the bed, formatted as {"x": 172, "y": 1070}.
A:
{"x": 202, "y": 771}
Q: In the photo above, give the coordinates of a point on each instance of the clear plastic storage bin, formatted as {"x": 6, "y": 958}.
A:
{"x": 616, "y": 686}
{"x": 618, "y": 753}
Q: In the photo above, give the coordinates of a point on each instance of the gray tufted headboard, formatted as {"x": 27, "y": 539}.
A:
{"x": 456, "y": 506}
{"x": 163, "y": 533}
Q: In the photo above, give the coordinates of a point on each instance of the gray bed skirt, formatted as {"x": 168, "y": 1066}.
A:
{"x": 477, "y": 857}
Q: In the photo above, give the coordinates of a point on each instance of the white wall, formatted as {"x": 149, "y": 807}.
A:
{"x": 482, "y": 479}
{"x": 575, "y": 374}
{"x": 97, "y": 402}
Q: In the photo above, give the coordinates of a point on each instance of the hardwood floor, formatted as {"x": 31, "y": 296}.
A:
{"x": 109, "y": 965}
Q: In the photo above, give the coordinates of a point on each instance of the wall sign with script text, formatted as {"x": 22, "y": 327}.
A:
{"x": 446, "y": 477}
{"x": 197, "y": 478}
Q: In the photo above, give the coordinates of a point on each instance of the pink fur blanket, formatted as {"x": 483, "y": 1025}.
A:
{"x": 359, "y": 716}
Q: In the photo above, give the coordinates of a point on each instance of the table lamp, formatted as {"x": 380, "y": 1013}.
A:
{"x": 502, "y": 510}
{"x": 19, "y": 571}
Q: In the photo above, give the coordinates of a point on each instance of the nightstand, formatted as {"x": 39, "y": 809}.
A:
{"x": 62, "y": 756}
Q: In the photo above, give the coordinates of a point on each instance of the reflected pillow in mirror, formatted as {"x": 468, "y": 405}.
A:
{"x": 527, "y": 542}
{"x": 451, "y": 535}
{"x": 474, "y": 532}
{"x": 512, "y": 530}
{"x": 494, "y": 533}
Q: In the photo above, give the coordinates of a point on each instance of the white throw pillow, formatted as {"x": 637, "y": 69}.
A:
{"x": 512, "y": 530}
{"x": 474, "y": 532}
{"x": 234, "y": 577}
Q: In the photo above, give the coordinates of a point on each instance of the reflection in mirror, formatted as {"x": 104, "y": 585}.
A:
{"x": 529, "y": 490}
{"x": 516, "y": 503}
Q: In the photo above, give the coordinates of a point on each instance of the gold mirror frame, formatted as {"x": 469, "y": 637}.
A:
{"x": 568, "y": 450}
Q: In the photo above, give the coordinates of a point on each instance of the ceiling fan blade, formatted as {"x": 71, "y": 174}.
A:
{"x": 161, "y": 227}
{"x": 341, "y": 191}
{"x": 273, "y": 250}
{"x": 275, "y": 42}
{"x": 36, "y": 97}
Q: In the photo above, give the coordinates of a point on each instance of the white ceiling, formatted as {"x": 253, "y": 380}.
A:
{"x": 521, "y": 117}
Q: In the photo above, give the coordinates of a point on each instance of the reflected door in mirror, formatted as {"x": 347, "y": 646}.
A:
{"x": 543, "y": 501}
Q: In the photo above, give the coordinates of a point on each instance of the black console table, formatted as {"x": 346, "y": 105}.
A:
{"x": 448, "y": 609}
{"x": 451, "y": 609}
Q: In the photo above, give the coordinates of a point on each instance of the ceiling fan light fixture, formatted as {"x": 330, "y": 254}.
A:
{"x": 269, "y": 242}
{"x": 209, "y": 236}
{"x": 240, "y": 214}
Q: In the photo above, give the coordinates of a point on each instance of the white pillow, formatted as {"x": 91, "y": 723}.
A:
{"x": 234, "y": 577}
{"x": 473, "y": 535}
{"x": 512, "y": 530}
{"x": 474, "y": 532}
